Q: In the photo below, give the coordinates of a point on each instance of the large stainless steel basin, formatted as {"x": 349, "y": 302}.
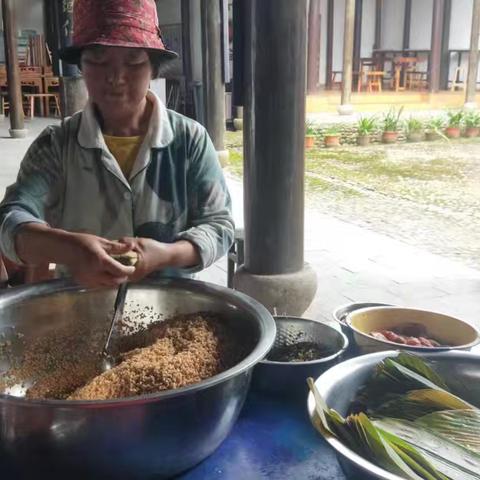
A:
{"x": 154, "y": 436}
{"x": 339, "y": 386}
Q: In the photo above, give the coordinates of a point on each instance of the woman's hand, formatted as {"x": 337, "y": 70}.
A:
{"x": 86, "y": 256}
{"x": 154, "y": 255}
{"x": 90, "y": 263}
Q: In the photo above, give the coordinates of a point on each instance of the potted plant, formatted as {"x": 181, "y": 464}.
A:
{"x": 310, "y": 134}
{"x": 391, "y": 122}
{"x": 472, "y": 124}
{"x": 434, "y": 129}
{"x": 414, "y": 130}
{"x": 332, "y": 136}
{"x": 366, "y": 127}
{"x": 454, "y": 124}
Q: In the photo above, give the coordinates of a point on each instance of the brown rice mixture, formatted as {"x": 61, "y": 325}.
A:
{"x": 167, "y": 354}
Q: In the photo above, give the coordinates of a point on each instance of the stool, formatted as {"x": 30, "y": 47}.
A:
{"x": 374, "y": 81}
{"x": 32, "y": 96}
{"x": 236, "y": 255}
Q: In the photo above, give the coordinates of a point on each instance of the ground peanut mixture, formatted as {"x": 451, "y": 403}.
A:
{"x": 167, "y": 354}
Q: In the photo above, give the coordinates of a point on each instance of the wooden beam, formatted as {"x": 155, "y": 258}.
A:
{"x": 329, "y": 59}
{"x": 473, "y": 56}
{"x": 357, "y": 36}
{"x": 349, "y": 27}
{"x": 238, "y": 14}
{"x": 213, "y": 86}
{"x": 436, "y": 45}
{"x": 445, "y": 61}
{"x": 13, "y": 71}
{"x": 378, "y": 24}
{"x": 313, "y": 64}
{"x": 274, "y": 136}
{"x": 407, "y": 21}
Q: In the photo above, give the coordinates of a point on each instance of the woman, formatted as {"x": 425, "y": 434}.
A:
{"x": 125, "y": 173}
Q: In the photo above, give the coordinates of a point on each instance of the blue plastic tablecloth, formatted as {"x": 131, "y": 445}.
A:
{"x": 272, "y": 439}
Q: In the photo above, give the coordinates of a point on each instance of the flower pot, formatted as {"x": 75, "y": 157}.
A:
{"x": 432, "y": 136}
{"x": 389, "y": 137}
{"x": 452, "y": 132}
{"x": 309, "y": 141}
{"x": 363, "y": 140}
{"x": 332, "y": 141}
{"x": 415, "y": 137}
{"x": 471, "y": 132}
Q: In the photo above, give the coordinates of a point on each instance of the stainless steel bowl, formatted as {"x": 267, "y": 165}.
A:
{"x": 290, "y": 378}
{"x": 340, "y": 316}
{"x": 339, "y": 385}
{"x": 152, "y": 436}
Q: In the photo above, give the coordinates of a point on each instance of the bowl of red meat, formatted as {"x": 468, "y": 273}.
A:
{"x": 383, "y": 328}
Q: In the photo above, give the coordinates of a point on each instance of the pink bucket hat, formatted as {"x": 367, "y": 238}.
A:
{"x": 115, "y": 23}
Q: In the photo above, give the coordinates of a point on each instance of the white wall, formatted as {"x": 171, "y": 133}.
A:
{"x": 461, "y": 25}
{"x": 392, "y": 23}
{"x": 368, "y": 28}
{"x": 460, "y": 30}
{"x": 421, "y": 24}
{"x": 338, "y": 29}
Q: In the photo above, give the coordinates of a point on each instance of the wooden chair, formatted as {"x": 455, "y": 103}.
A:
{"x": 31, "y": 97}
{"x": 370, "y": 75}
{"x": 403, "y": 66}
{"x": 335, "y": 81}
{"x": 457, "y": 81}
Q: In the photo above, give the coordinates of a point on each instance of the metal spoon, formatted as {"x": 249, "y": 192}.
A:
{"x": 108, "y": 360}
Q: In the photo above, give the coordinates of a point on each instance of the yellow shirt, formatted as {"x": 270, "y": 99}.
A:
{"x": 125, "y": 151}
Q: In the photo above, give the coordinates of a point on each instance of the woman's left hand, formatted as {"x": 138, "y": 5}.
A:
{"x": 154, "y": 255}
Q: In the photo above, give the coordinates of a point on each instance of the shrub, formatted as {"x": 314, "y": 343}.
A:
{"x": 366, "y": 126}
{"x": 413, "y": 125}
{"x": 455, "y": 118}
{"x": 391, "y": 120}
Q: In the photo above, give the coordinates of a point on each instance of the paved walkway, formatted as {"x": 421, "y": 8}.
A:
{"x": 352, "y": 263}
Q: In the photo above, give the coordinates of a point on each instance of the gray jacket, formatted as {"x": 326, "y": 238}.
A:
{"x": 176, "y": 190}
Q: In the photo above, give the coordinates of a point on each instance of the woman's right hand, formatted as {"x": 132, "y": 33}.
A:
{"x": 87, "y": 257}
{"x": 89, "y": 260}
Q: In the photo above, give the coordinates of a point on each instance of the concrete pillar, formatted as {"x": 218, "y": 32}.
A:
{"x": 473, "y": 58}
{"x": 274, "y": 271}
{"x": 17, "y": 125}
{"x": 213, "y": 84}
{"x": 346, "y": 108}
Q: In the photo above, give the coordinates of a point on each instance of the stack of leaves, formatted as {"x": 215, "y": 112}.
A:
{"x": 411, "y": 425}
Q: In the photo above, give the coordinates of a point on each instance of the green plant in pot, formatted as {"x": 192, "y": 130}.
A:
{"x": 332, "y": 136}
{"x": 310, "y": 134}
{"x": 414, "y": 129}
{"x": 391, "y": 124}
{"x": 472, "y": 124}
{"x": 434, "y": 129}
{"x": 454, "y": 123}
{"x": 366, "y": 127}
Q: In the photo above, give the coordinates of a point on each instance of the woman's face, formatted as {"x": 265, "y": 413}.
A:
{"x": 117, "y": 78}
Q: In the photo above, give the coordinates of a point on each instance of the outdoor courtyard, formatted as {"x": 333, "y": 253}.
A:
{"x": 425, "y": 194}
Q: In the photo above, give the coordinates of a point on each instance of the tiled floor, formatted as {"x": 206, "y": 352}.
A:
{"x": 352, "y": 263}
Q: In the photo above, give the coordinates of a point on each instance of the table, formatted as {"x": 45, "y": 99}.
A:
{"x": 273, "y": 439}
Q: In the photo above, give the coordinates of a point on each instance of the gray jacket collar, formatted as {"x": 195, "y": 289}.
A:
{"x": 159, "y": 135}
